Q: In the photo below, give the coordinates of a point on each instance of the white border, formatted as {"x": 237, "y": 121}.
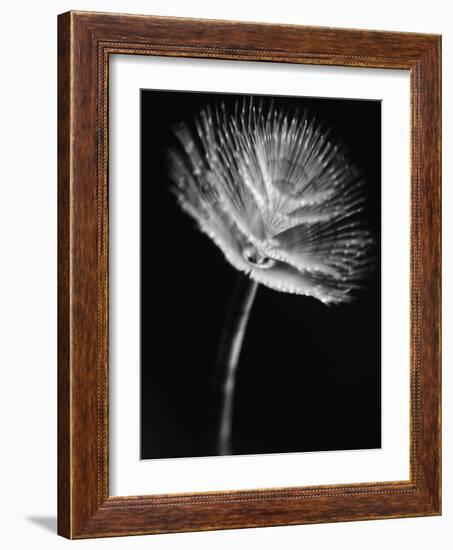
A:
{"x": 129, "y": 475}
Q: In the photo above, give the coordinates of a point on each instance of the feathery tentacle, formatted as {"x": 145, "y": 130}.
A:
{"x": 277, "y": 196}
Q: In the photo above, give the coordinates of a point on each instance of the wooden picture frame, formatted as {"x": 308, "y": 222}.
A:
{"x": 85, "y": 42}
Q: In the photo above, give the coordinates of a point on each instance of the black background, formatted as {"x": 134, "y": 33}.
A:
{"x": 309, "y": 374}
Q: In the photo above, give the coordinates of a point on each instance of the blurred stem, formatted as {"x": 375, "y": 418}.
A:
{"x": 227, "y": 361}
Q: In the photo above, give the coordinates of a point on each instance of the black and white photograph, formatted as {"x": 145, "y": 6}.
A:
{"x": 225, "y": 275}
{"x": 260, "y": 274}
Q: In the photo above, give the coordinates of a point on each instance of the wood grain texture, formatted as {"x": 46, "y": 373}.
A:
{"x": 64, "y": 370}
{"x": 85, "y": 42}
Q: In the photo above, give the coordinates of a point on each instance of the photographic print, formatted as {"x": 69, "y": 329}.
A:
{"x": 249, "y": 275}
{"x": 260, "y": 274}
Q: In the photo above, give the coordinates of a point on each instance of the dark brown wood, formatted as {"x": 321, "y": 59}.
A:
{"x": 86, "y": 40}
{"x": 64, "y": 389}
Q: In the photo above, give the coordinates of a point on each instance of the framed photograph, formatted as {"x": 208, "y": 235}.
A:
{"x": 249, "y": 275}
